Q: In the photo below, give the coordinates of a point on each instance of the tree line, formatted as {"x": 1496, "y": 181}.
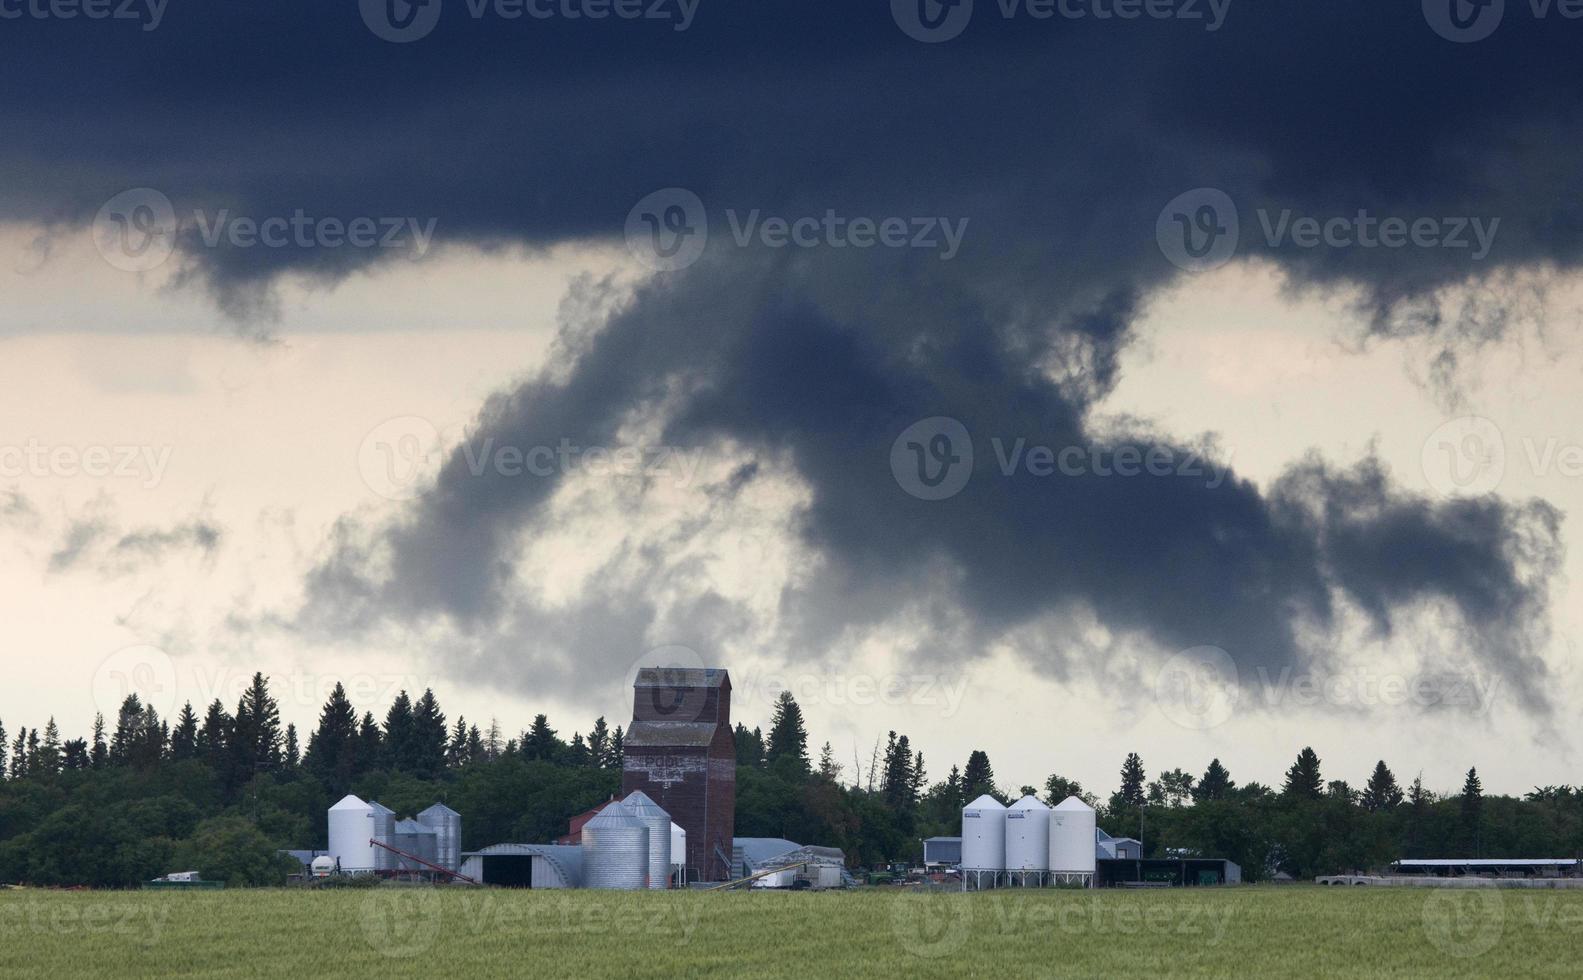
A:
{"x": 221, "y": 792}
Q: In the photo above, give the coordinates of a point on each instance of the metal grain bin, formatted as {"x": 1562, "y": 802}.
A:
{"x": 414, "y": 838}
{"x": 447, "y": 826}
{"x": 984, "y": 835}
{"x": 1028, "y": 836}
{"x": 384, "y": 823}
{"x": 658, "y": 821}
{"x": 351, "y": 825}
{"x": 616, "y": 850}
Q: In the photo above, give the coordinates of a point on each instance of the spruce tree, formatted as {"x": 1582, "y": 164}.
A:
{"x": 400, "y": 750}
{"x": 1472, "y": 808}
{"x": 99, "y": 754}
{"x": 1215, "y": 784}
{"x": 333, "y": 746}
{"x": 1132, "y": 776}
{"x": 1303, "y": 780}
{"x": 978, "y": 778}
{"x": 429, "y": 736}
{"x": 599, "y": 743}
{"x": 1381, "y": 791}
{"x": 788, "y": 738}
{"x": 184, "y": 737}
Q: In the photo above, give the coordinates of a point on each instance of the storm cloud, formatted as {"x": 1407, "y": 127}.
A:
{"x": 1057, "y": 142}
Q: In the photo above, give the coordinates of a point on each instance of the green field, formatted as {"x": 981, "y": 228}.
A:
{"x": 407, "y": 932}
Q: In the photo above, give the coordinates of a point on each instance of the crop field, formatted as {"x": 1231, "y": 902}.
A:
{"x": 411, "y": 932}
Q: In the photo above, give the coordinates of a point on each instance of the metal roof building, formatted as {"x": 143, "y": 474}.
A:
{"x": 526, "y": 865}
{"x": 942, "y": 852}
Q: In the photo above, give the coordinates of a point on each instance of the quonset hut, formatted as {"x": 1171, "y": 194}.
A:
{"x": 680, "y": 753}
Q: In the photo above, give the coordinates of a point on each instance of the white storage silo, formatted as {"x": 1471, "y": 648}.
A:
{"x": 447, "y": 826}
{"x": 679, "y": 853}
{"x": 384, "y": 820}
{"x": 658, "y": 821}
{"x": 1072, "y": 838}
{"x": 351, "y": 825}
{"x": 1028, "y": 837}
{"x": 616, "y": 850}
{"x": 984, "y": 835}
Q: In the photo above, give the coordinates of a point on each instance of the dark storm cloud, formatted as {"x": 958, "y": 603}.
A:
{"x": 1059, "y": 141}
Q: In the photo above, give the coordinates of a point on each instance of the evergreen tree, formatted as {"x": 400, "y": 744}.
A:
{"x": 577, "y": 752}
{"x": 1381, "y": 791}
{"x": 74, "y": 754}
{"x": 456, "y": 752}
{"x": 599, "y": 743}
{"x": 214, "y": 737}
{"x": 184, "y": 737}
{"x": 1132, "y": 781}
{"x": 493, "y": 746}
{"x": 749, "y": 746}
{"x": 333, "y": 746}
{"x": 257, "y": 739}
{"x": 3, "y": 772}
{"x": 618, "y": 754}
{"x": 99, "y": 754}
{"x": 19, "y": 755}
{"x": 896, "y": 786}
{"x": 978, "y": 778}
{"x": 475, "y": 746}
{"x": 370, "y": 746}
{"x": 1303, "y": 780}
{"x": 401, "y": 752}
{"x": 1472, "y": 808}
{"x": 920, "y": 777}
{"x": 293, "y": 757}
{"x": 49, "y": 758}
{"x": 429, "y": 737}
{"x": 788, "y": 738}
{"x": 1215, "y": 784}
{"x": 540, "y": 742}
{"x": 128, "y": 730}
{"x": 35, "y": 766}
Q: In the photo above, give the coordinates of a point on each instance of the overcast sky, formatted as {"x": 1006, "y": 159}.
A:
{"x": 1199, "y": 386}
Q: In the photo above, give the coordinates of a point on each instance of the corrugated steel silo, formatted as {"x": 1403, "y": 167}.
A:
{"x": 1072, "y": 838}
{"x": 447, "y": 826}
{"x": 984, "y": 835}
{"x": 616, "y": 850}
{"x": 1028, "y": 836}
{"x": 416, "y": 839}
{"x": 351, "y": 825}
{"x": 384, "y": 829}
{"x": 658, "y": 821}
